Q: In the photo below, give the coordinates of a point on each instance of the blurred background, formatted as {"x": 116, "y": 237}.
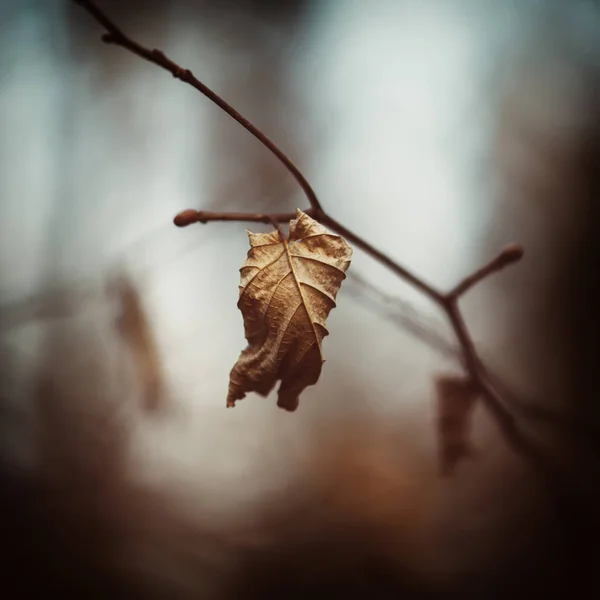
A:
{"x": 439, "y": 131}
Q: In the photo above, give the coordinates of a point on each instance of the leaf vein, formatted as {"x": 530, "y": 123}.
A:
{"x": 260, "y": 270}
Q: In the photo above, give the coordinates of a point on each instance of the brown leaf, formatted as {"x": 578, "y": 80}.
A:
{"x": 456, "y": 399}
{"x": 287, "y": 288}
{"x": 136, "y": 331}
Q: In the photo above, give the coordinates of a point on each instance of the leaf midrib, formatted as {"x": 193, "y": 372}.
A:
{"x": 299, "y": 288}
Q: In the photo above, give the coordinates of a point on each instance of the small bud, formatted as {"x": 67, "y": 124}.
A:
{"x": 186, "y": 217}
{"x": 511, "y": 253}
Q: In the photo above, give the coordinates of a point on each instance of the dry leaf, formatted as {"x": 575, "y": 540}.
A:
{"x": 456, "y": 399}
{"x": 287, "y": 288}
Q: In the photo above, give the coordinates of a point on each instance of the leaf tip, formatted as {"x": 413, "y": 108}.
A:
{"x": 288, "y": 403}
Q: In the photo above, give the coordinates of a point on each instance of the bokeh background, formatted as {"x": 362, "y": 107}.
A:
{"x": 437, "y": 130}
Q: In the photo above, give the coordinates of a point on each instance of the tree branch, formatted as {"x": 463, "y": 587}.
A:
{"x": 448, "y": 301}
{"x": 114, "y": 35}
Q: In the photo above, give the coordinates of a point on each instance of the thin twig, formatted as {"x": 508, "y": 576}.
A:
{"x": 448, "y": 302}
{"x": 474, "y": 367}
{"x": 380, "y": 256}
{"x": 511, "y": 254}
{"x": 116, "y": 36}
{"x": 190, "y": 216}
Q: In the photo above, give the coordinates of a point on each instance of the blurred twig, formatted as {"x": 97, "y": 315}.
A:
{"x": 402, "y": 314}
